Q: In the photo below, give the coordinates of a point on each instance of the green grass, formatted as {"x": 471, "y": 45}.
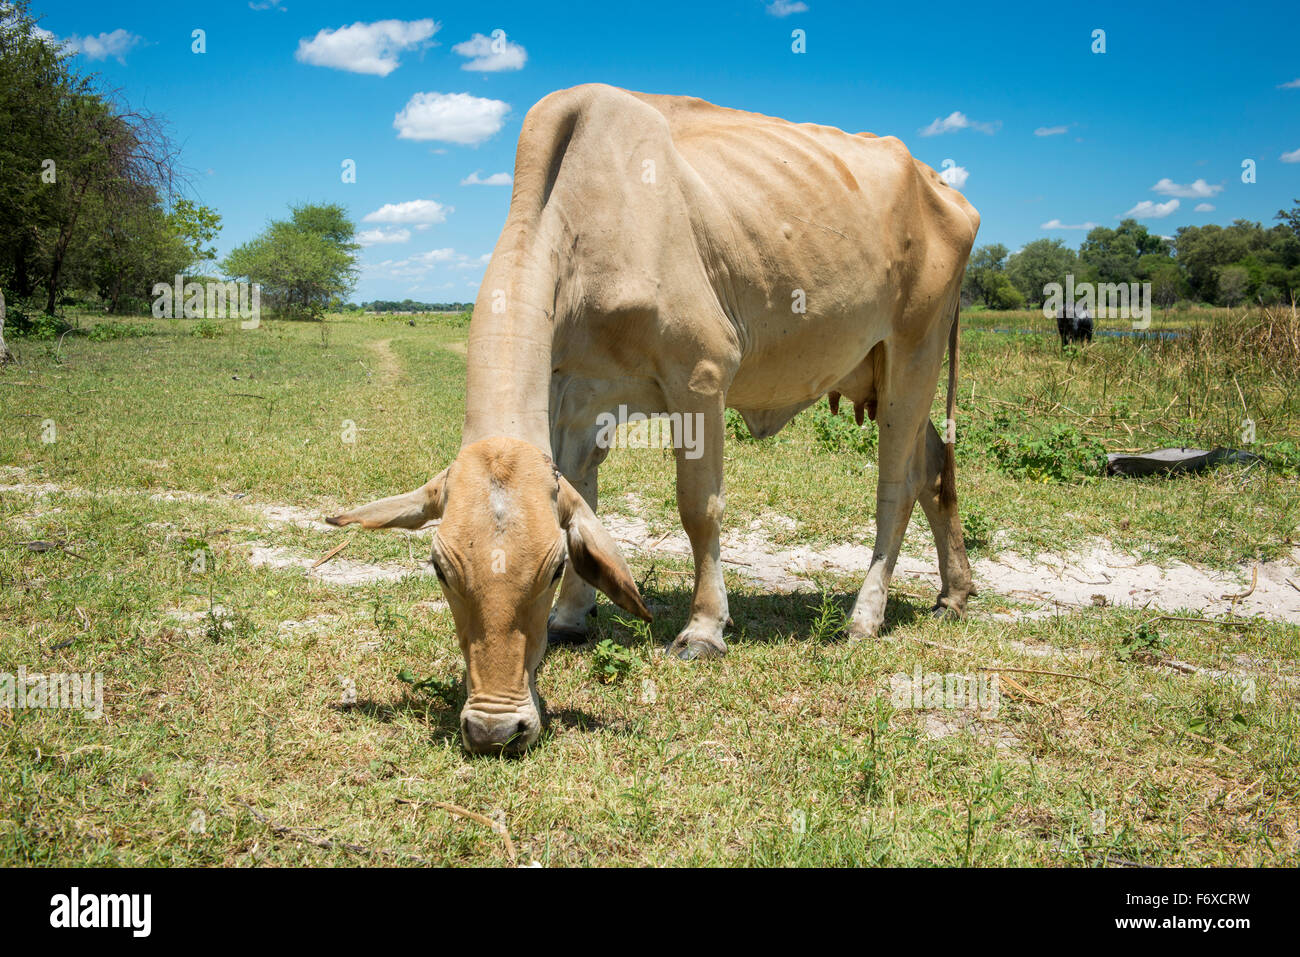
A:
{"x": 788, "y": 751}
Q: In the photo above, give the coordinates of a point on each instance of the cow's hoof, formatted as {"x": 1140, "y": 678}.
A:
{"x": 946, "y": 612}
{"x": 860, "y": 629}
{"x": 564, "y": 635}
{"x": 689, "y": 648}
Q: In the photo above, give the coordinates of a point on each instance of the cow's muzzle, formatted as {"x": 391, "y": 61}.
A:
{"x": 510, "y": 733}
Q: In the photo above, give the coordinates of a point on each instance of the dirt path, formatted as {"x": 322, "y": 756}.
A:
{"x": 1094, "y": 576}
{"x": 1098, "y": 575}
{"x": 390, "y": 366}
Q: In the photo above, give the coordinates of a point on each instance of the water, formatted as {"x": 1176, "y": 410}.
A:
{"x": 1109, "y": 333}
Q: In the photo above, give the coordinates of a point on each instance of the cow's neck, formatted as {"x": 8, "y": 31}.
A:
{"x": 509, "y": 352}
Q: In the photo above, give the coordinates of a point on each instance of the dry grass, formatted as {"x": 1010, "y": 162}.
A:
{"x": 231, "y": 740}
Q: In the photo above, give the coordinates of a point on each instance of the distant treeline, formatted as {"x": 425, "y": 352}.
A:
{"x": 410, "y": 305}
{"x": 1226, "y": 265}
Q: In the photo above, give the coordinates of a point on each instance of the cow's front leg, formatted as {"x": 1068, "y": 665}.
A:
{"x": 579, "y": 461}
{"x": 700, "y": 502}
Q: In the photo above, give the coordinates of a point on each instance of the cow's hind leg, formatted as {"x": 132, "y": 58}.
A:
{"x": 700, "y": 502}
{"x": 904, "y": 412}
{"x": 940, "y": 506}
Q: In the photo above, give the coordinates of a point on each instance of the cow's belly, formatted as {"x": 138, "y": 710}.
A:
{"x": 793, "y": 363}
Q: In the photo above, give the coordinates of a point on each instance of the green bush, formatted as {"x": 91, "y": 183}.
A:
{"x": 1284, "y": 457}
{"x": 37, "y": 326}
{"x": 840, "y": 433}
{"x": 611, "y": 662}
{"x": 976, "y": 528}
{"x": 1063, "y": 455}
{"x": 1011, "y": 444}
{"x": 104, "y": 331}
{"x": 736, "y": 427}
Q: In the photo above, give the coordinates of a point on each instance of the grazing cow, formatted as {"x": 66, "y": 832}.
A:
{"x": 670, "y": 256}
{"x": 1073, "y": 324}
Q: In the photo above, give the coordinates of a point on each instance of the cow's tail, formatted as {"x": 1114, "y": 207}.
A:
{"x": 948, "y": 481}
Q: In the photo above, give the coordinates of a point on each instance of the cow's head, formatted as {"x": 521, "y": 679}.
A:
{"x": 510, "y": 526}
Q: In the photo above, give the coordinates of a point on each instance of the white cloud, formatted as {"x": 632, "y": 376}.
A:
{"x": 101, "y": 46}
{"x": 1057, "y": 224}
{"x": 1293, "y": 85}
{"x": 1051, "y": 130}
{"x": 266, "y": 5}
{"x": 376, "y": 237}
{"x": 415, "y": 212}
{"x": 954, "y": 175}
{"x": 783, "y": 8}
{"x": 954, "y": 121}
{"x": 365, "y": 47}
{"x": 1149, "y": 210}
{"x": 451, "y": 117}
{"x": 491, "y": 54}
{"x": 496, "y": 179}
{"x": 413, "y": 267}
{"x": 1197, "y": 190}
{"x": 1292, "y": 157}
{"x": 1203, "y": 208}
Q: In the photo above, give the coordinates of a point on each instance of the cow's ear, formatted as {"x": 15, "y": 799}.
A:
{"x": 593, "y": 554}
{"x": 412, "y": 510}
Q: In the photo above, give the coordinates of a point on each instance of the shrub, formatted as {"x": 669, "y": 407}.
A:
{"x": 104, "y": 331}
{"x": 976, "y": 528}
{"x": 840, "y": 433}
{"x": 611, "y": 662}
{"x": 1063, "y": 455}
{"x": 736, "y": 427}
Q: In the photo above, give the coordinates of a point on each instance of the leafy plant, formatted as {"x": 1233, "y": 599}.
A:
{"x": 977, "y": 527}
{"x": 106, "y": 331}
{"x": 1145, "y": 644}
{"x": 611, "y": 662}
{"x": 1285, "y": 457}
{"x": 840, "y": 433}
{"x": 446, "y": 690}
{"x": 1064, "y": 454}
{"x": 737, "y": 430}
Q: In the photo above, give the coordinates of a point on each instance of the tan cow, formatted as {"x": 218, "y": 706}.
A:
{"x": 670, "y": 256}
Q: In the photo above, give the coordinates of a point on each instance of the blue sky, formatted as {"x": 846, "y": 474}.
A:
{"x": 1160, "y": 123}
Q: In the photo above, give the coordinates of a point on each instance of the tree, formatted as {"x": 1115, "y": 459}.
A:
{"x": 1291, "y": 217}
{"x": 1040, "y": 262}
{"x": 985, "y": 278}
{"x": 1167, "y": 285}
{"x": 303, "y": 263}
{"x": 66, "y": 151}
{"x": 5, "y": 354}
{"x": 1114, "y": 253}
{"x": 195, "y": 225}
{"x": 136, "y": 246}
{"x": 1233, "y": 283}
{"x": 34, "y": 78}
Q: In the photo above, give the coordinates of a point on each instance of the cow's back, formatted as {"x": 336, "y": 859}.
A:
{"x": 670, "y": 200}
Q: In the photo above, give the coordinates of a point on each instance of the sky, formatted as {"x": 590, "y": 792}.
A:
{"x": 1046, "y": 134}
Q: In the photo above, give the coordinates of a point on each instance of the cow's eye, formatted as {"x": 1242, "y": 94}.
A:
{"x": 437, "y": 570}
{"x": 558, "y": 572}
